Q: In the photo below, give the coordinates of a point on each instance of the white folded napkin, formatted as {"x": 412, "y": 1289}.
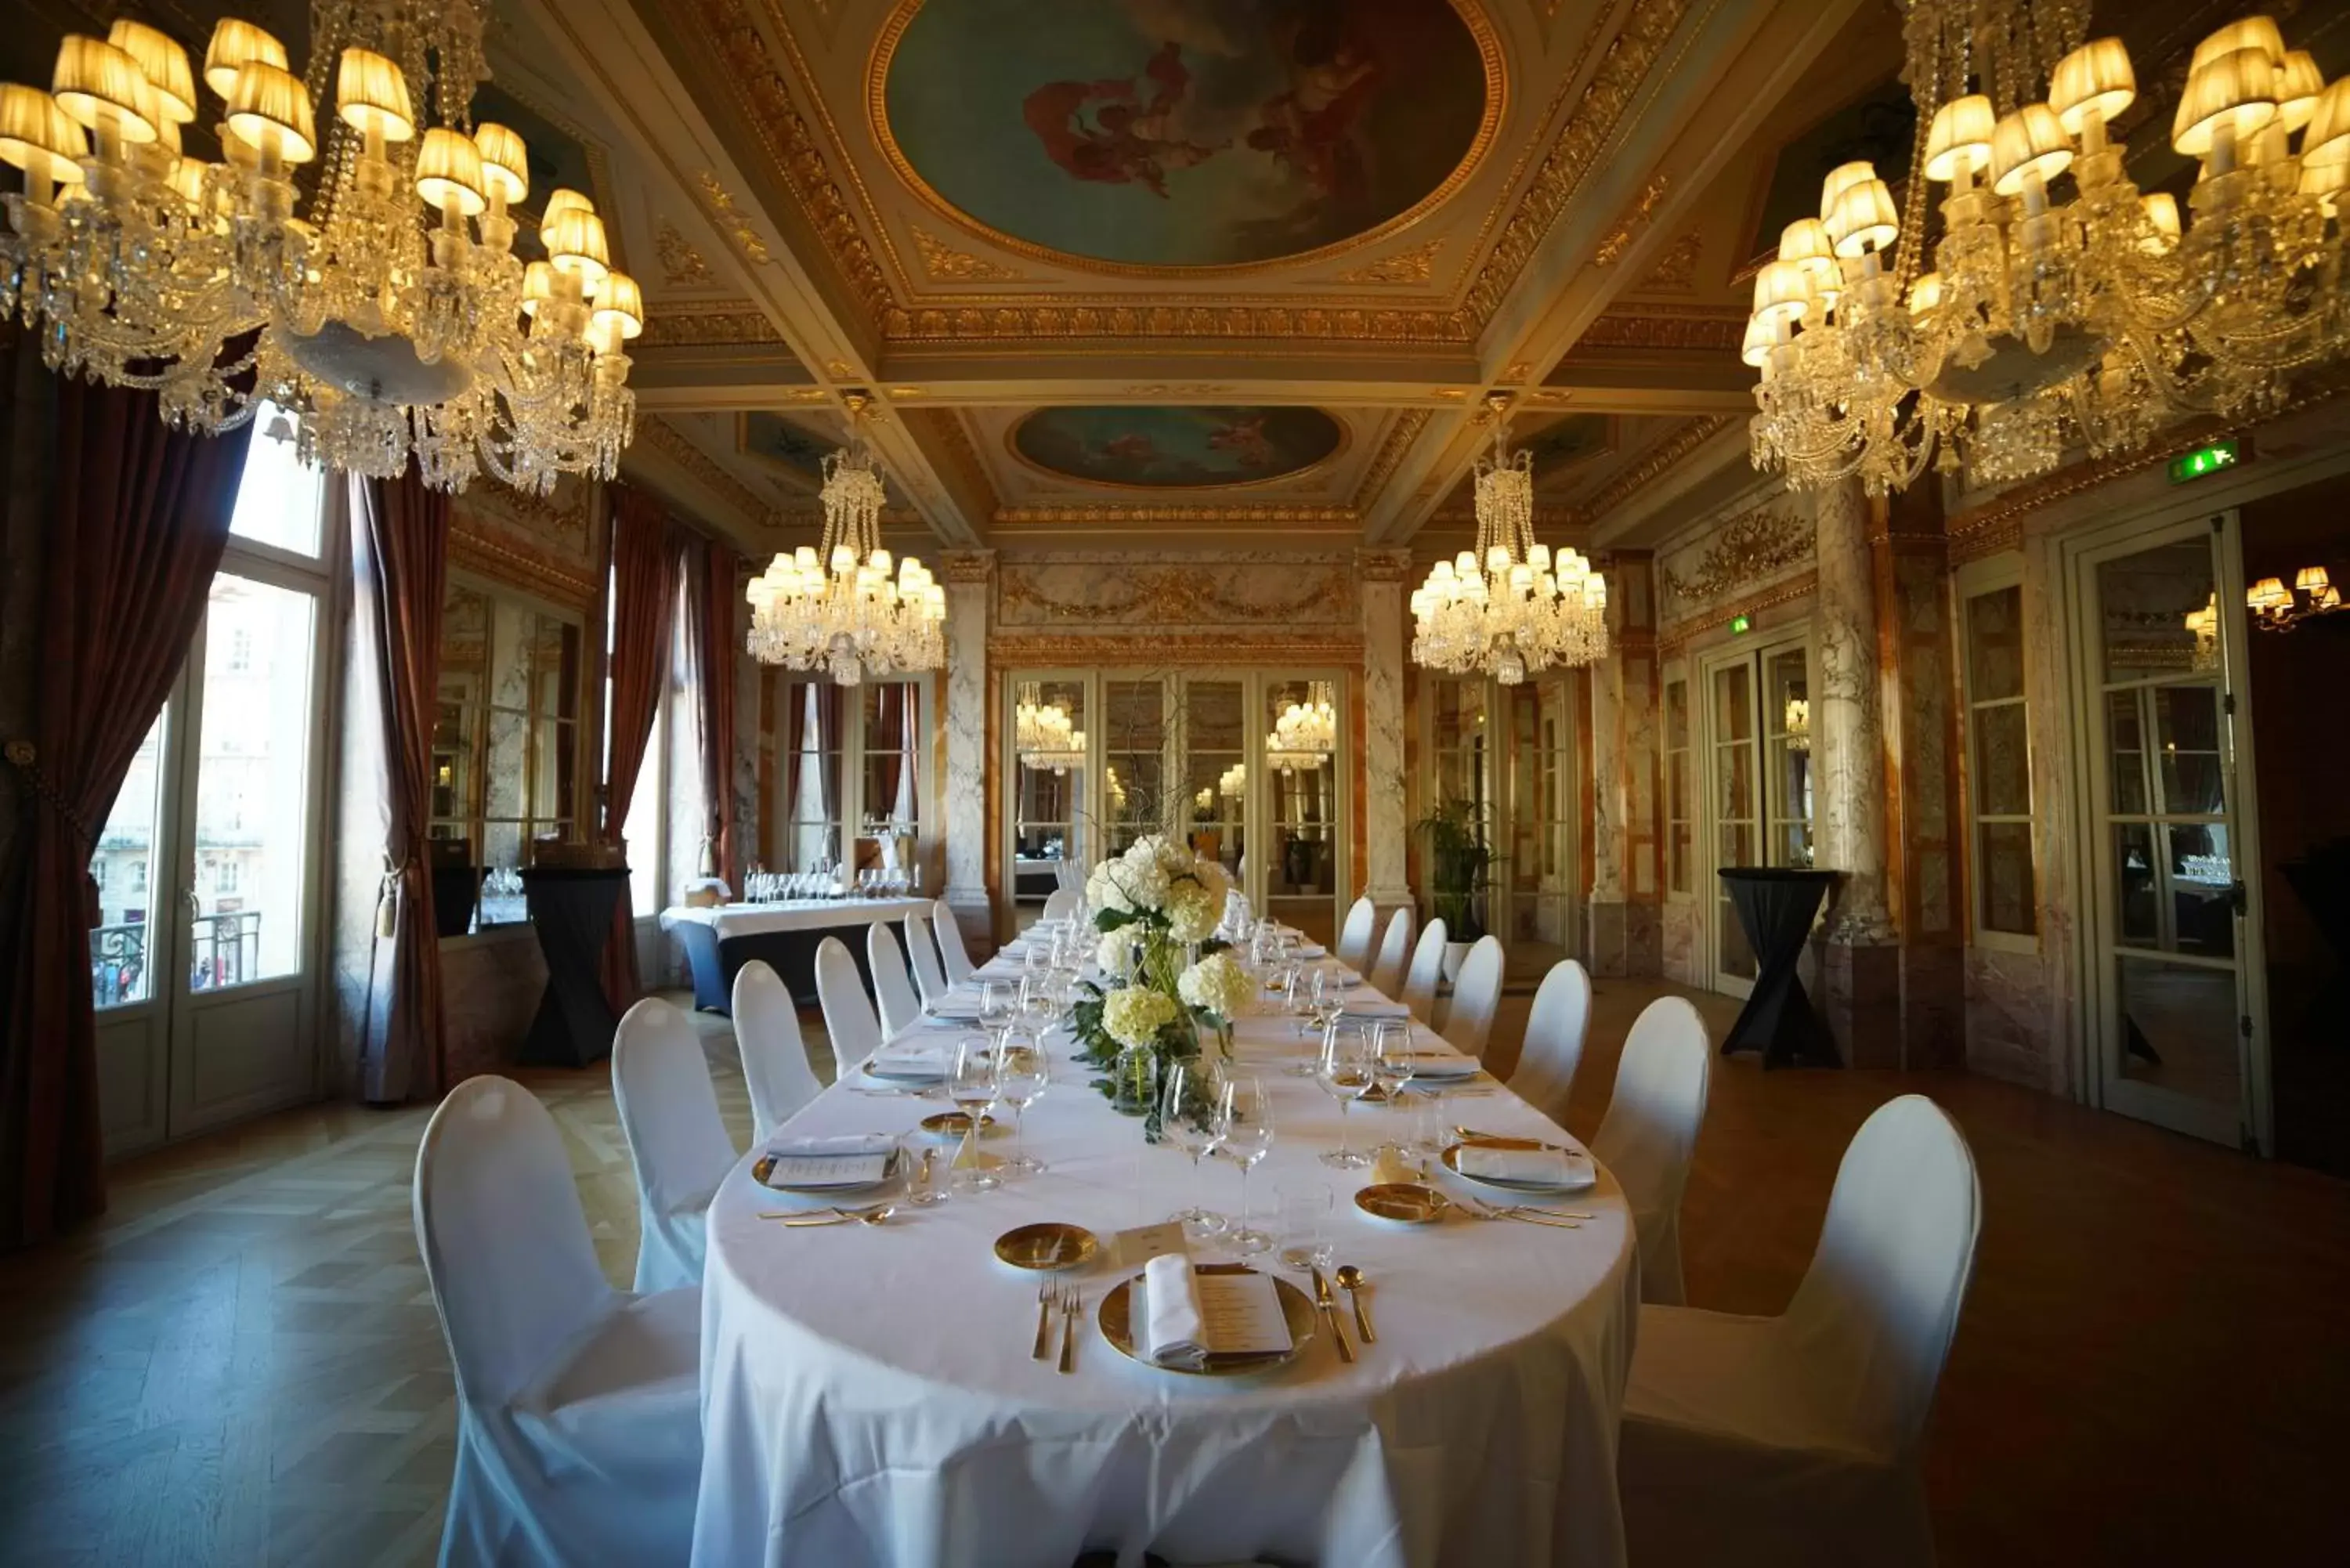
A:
{"x": 960, "y": 1006}
{"x": 854, "y": 1160}
{"x": 905, "y": 1059}
{"x": 1435, "y": 1064}
{"x": 1174, "y": 1330}
{"x": 1372, "y": 1007}
{"x": 1544, "y": 1166}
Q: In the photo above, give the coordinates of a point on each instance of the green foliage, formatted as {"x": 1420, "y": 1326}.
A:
{"x": 1459, "y": 866}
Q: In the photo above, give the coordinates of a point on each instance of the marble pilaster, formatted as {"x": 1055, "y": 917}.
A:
{"x": 967, "y": 577}
{"x": 1847, "y": 720}
{"x": 1385, "y": 834}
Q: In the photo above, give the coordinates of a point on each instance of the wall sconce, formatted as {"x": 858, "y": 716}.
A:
{"x": 2276, "y": 607}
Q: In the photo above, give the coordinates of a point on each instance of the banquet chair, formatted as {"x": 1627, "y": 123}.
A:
{"x": 578, "y": 1407}
{"x": 1070, "y": 874}
{"x": 1476, "y": 997}
{"x": 1355, "y": 937}
{"x": 1064, "y": 903}
{"x": 1427, "y": 969}
{"x": 930, "y": 976}
{"x": 849, "y": 1026}
{"x": 893, "y": 994}
{"x": 1555, "y": 1027}
{"x": 949, "y": 934}
{"x": 1795, "y": 1439}
{"x": 676, "y": 1140}
{"x": 1650, "y": 1133}
{"x": 1395, "y": 952}
{"x": 775, "y": 1066}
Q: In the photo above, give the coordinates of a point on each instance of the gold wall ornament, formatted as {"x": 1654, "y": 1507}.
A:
{"x": 1113, "y": 516}
{"x": 682, "y": 265}
{"x": 1119, "y": 590}
{"x": 1675, "y": 637}
{"x": 1406, "y": 429}
{"x": 1652, "y": 465}
{"x": 951, "y": 323}
{"x": 1628, "y": 227}
{"x": 1383, "y": 566}
{"x": 1162, "y": 651}
{"x": 714, "y": 323}
{"x": 717, "y": 203}
{"x": 1691, "y": 328}
{"x": 1675, "y": 271}
{"x": 1417, "y": 264}
{"x": 660, "y": 436}
{"x": 944, "y": 264}
{"x": 1748, "y": 551}
{"x": 966, "y": 566}
{"x": 1163, "y": 391}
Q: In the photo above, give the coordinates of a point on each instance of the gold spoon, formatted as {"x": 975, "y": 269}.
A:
{"x": 831, "y": 1216}
{"x": 1350, "y": 1279}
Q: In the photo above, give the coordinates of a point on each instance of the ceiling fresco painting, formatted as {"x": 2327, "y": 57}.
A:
{"x": 1182, "y": 133}
{"x": 1175, "y": 448}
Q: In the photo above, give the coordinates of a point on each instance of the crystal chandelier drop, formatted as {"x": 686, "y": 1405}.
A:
{"x": 1502, "y": 610}
{"x": 393, "y": 319}
{"x": 833, "y": 606}
{"x": 1044, "y": 735}
{"x": 2051, "y": 314}
{"x": 1306, "y": 735}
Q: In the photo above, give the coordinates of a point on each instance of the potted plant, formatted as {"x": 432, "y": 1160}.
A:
{"x": 1460, "y": 867}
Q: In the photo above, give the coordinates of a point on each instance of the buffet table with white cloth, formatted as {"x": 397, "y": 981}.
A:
{"x": 721, "y": 938}
{"x": 869, "y": 1396}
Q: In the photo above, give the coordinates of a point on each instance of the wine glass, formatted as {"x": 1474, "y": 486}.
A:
{"x": 971, "y": 1086}
{"x": 1243, "y": 1128}
{"x": 1392, "y": 1060}
{"x": 1345, "y": 1074}
{"x": 1187, "y": 1103}
{"x": 995, "y": 1005}
{"x": 1022, "y": 1073}
{"x": 1304, "y": 1221}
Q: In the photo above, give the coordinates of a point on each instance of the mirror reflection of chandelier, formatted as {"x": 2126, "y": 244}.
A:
{"x": 1043, "y": 735}
{"x": 2276, "y": 607}
{"x": 1234, "y": 783}
{"x": 832, "y": 606}
{"x": 1505, "y": 608}
{"x": 1305, "y": 734}
{"x": 2043, "y": 321}
{"x": 1798, "y": 724}
{"x": 393, "y": 319}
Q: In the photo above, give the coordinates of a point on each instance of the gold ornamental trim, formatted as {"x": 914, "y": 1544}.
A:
{"x": 1182, "y": 595}
{"x": 1653, "y": 464}
{"x": 710, "y": 323}
{"x": 682, "y": 265}
{"x": 1401, "y": 435}
{"x": 1674, "y": 636}
{"x": 1110, "y": 515}
{"x": 1656, "y": 327}
{"x": 1417, "y": 264}
{"x": 947, "y": 265}
{"x": 1632, "y": 225}
{"x": 1751, "y": 548}
{"x": 660, "y": 436}
{"x": 1163, "y": 650}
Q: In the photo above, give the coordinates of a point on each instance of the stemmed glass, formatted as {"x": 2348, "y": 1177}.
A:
{"x": 971, "y": 1086}
{"x": 1189, "y": 1084}
{"x": 996, "y": 1003}
{"x": 1021, "y": 1072}
{"x": 1345, "y": 1071}
{"x": 1243, "y": 1128}
{"x": 1392, "y": 1061}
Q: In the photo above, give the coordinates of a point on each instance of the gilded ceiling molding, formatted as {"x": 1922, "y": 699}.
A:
{"x": 1406, "y": 429}
{"x": 1753, "y": 548}
{"x": 1676, "y": 270}
{"x": 1622, "y": 69}
{"x": 1654, "y": 462}
{"x": 944, "y": 324}
{"x": 1417, "y": 264}
{"x": 1248, "y": 590}
{"x": 1547, "y": 520}
{"x": 709, "y": 323}
{"x": 1673, "y": 639}
{"x": 1160, "y": 391}
{"x": 660, "y": 436}
{"x": 1659, "y": 326}
{"x": 1162, "y": 651}
{"x": 1383, "y": 566}
{"x": 475, "y": 549}
{"x": 966, "y": 566}
{"x": 717, "y": 203}
{"x": 682, "y": 265}
{"x": 1635, "y": 219}
{"x": 947, "y": 265}
{"x": 1098, "y": 514}
{"x": 962, "y": 455}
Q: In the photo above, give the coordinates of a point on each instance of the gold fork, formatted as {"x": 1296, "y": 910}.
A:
{"x": 1069, "y": 1329}
{"x": 1045, "y": 1302}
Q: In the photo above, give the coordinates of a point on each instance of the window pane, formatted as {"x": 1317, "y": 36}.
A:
{"x": 280, "y": 500}
{"x": 251, "y": 848}
{"x": 2186, "y": 725}
{"x": 124, "y": 868}
{"x": 640, "y": 831}
{"x": 2005, "y": 900}
{"x": 813, "y": 714}
{"x": 1218, "y": 781}
{"x": 2003, "y": 762}
{"x": 1134, "y": 782}
{"x": 2143, "y": 603}
{"x": 1995, "y": 645}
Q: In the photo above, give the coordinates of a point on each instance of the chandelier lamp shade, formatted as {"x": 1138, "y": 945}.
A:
{"x": 2275, "y": 607}
{"x": 2054, "y": 305}
{"x": 1508, "y": 608}
{"x": 835, "y": 605}
{"x": 393, "y": 319}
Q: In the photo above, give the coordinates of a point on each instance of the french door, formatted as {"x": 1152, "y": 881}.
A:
{"x": 1755, "y": 739}
{"x": 2172, "y": 936}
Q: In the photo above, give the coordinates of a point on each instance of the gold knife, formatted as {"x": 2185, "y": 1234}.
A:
{"x": 1329, "y": 1306}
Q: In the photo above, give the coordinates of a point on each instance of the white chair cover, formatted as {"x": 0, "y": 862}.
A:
{"x": 948, "y": 932}
{"x": 677, "y": 1139}
{"x": 578, "y": 1407}
{"x": 775, "y": 1066}
{"x": 849, "y": 1026}
{"x": 1427, "y": 969}
{"x": 1070, "y": 874}
{"x": 1476, "y": 997}
{"x": 1064, "y": 903}
{"x": 1355, "y": 937}
{"x": 1795, "y": 1439}
{"x": 893, "y": 994}
{"x": 1555, "y": 1028}
{"x": 930, "y": 976}
{"x": 1650, "y": 1132}
{"x": 1395, "y": 952}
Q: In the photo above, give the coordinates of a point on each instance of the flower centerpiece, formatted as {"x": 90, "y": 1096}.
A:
{"x": 1165, "y": 978}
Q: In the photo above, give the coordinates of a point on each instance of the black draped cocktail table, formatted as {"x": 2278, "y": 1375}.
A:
{"x": 1775, "y": 906}
{"x": 572, "y": 911}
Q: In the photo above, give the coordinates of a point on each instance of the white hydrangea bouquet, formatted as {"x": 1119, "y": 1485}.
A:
{"x": 1166, "y": 979}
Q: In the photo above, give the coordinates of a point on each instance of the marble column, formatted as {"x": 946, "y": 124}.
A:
{"x": 1385, "y": 835}
{"x": 1604, "y": 916}
{"x": 968, "y": 579}
{"x": 1860, "y": 965}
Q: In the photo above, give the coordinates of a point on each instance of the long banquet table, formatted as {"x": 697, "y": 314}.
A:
{"x": 869, "y": 1395}
{"x": 720, "y": 941}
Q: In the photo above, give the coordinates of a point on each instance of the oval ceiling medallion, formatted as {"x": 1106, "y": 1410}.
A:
{"x": 1184, "y": 133}
{"x": 1164, "y": 448}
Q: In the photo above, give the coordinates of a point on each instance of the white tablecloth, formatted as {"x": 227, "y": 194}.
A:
{"x": 868, "y": 1396}
{"x": 793, "y": 915}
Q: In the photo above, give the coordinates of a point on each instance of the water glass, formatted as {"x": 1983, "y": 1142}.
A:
{"x": 971, "y": 1086}
{"x": 1344, "y": 1072}
{"x": 1302, "y": 1222}
{"x": 1022, "y": 1073}
{"x": 1187, "y": 1105}
{"x": 1243, "y": 1128}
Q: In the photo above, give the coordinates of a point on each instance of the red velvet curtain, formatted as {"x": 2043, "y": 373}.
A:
{"x": 137, "y": 516}
{"x": 711, "y": 624}
{"x": 399, "y": 569}
{"x": 644, "y": 600}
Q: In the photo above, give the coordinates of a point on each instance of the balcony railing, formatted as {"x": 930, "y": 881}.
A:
{"x": 224, "y": 949}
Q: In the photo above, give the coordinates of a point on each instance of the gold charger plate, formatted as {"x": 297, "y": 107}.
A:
{"x": 1049, "y": 1246}
{"x": 1406, "y": 1202}
{"x": 955, "y": 1124}
{"x": 1451, "y": 1161}
{"x": 1296, "y": 1309}
{"x": 891, "y": 1171}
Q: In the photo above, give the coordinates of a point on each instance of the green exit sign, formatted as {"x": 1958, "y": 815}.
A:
{"x": 1739, "y": 625}
{"x": 2205, "y": 460}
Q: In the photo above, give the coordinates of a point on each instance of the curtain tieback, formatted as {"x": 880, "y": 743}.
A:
{"x": 25, "y": 757}
{"x": 387, "y": 899}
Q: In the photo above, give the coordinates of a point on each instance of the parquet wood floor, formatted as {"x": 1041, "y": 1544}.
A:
{"x": 240, "y": 1365}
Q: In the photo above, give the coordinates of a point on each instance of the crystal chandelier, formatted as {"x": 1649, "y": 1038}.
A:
{"x": 1234, "y": 782}
{"x": 1042, "y": 734}
{"x": 2043, "y": 321}
{"x": 833, "y": 606}
{"x": 1501, "y": 609}
{"x": 1797, "y": 723}
{"x": 394, "y": 318}
{"x": 1305, "y": 734}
